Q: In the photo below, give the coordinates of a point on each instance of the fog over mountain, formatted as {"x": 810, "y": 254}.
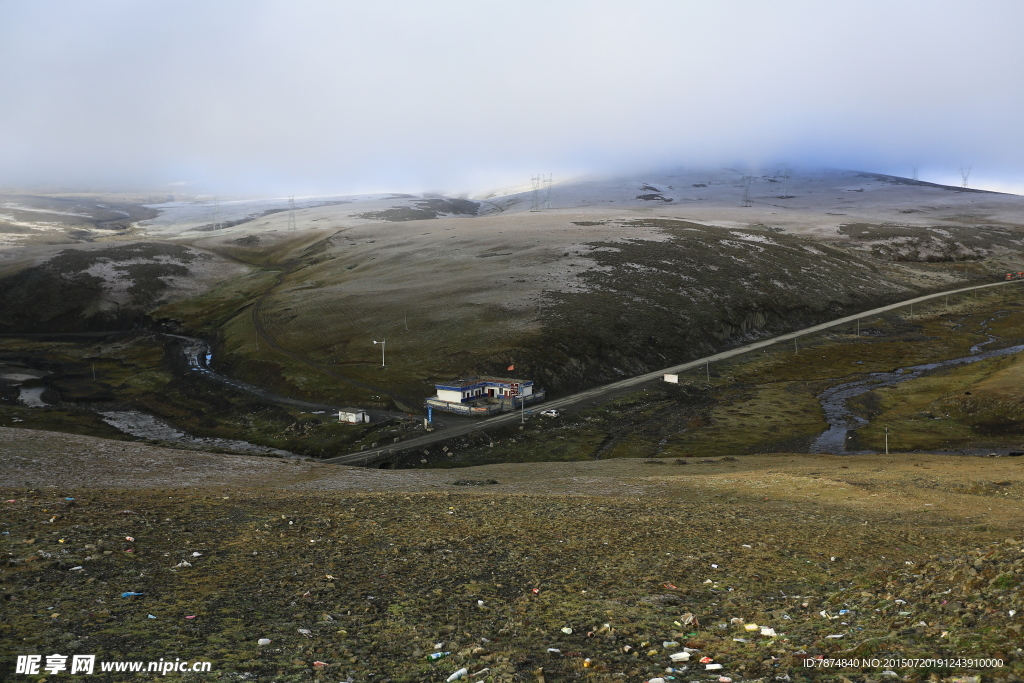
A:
{"x": 337, "y": 97}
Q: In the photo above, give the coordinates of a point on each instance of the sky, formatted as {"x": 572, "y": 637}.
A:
{"x": 250, "y": 97}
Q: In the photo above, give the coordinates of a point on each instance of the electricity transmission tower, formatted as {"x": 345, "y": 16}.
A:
{"x": 746, "y": 189}
{"x": 536, "y": 181}
{"x": 784, "y": 190}
{"x": 291, "y": 212}
{"x": 913, "y": 172}
{"x": 547, "y": 198}
{"x": 965, "y": 173}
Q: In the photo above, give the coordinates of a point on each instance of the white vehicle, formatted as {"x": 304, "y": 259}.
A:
{"x": 550, "y": 413}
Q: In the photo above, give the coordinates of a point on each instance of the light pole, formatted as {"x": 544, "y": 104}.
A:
{"x": 382, "y": 343}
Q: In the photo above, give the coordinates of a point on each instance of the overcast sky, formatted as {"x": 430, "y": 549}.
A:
{"x": 294, "y": 97}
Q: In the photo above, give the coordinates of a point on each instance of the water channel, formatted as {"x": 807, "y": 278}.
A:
{"x": 841, "y": 420}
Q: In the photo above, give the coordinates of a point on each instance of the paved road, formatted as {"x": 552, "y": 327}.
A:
{"x": 606, "y": 389}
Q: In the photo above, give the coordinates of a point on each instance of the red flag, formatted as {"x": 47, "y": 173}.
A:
{"x": 511, "y": 368}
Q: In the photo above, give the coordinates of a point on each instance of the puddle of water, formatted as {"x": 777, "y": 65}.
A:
{"x": 143, "y": 426}
{"x": 841, "y": 420}
{"x": 33, "y": 397}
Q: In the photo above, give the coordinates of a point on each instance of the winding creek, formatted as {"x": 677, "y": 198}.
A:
{"x": 834, "y": 400}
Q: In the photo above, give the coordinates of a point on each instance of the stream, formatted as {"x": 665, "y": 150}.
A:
{"x": 842, "y": 420}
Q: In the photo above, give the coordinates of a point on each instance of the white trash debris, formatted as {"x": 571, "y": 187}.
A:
{"x": 837, "y": 635}
{"x": 680, "y": 656}
{"x": 182, "y": 565}
{"x": 263, "y": 642}
{"x": 567, "y": 631}
{"x": 669, "y": 644}
{"x": 713, "y": 667}
{"x": 769, "y": 632}
{"x": 197, "y": 554}
{"x": 306, "y": 632}
{"x": 751, "y": 627}
{"x": 457, "y": 675}
{"x": 79, "y": 568}
{"x": 656, "y": 680}
{"x": 554, "y": 651}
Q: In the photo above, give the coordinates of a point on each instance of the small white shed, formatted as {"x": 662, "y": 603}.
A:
{"x": 353, "y": 415}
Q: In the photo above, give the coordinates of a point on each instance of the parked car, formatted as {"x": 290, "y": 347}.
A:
{"x": 551, "y": 412}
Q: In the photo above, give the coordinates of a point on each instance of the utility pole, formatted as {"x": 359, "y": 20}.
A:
{"x": 913, "y": 172}
{"x": 965, "y": 173}
{"x": 291, "y": 212}
{"x": 887, "y": 441}
{"x": 547, "y": 199}
{"x": 382, "y": 343}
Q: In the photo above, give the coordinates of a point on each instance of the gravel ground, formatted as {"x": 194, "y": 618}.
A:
{"x": 357, "y": 575}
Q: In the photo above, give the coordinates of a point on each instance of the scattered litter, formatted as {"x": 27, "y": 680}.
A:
{"x": 197, "y": 554}
{"x": 751, "y": 627}
{"x": 306, "y": 632}
{"x": 836, "y": 635}
{"x": 438, "y": 646}
{"x": 706, "y": 660}
{"x": 566, "y": 630}
{"x": 151, "y": 616}
{"x": 680, "y": 656}
{"x": 437, "y": 655}
{"x": 536, "y": 591}
{"x": 319, "y": 665}
{"x": 769, "y": 632}
{"x": 263, "y": 642}
{"x": 556, "y": 651}
{"x": 76, "y": 569}
{"x": 740, "y": 640}
{"x": 713, "y": 667}
{"x": 669, "y": 644}
{"x": 457, "y": 675}
{"x": 129, "y": 538}
{"x": 182, "y": 565}
{"x": 724, "y": 679}
{"x": 191, "y": 616}
{"x": 481, "y": 672}
{"x": 130, "y": 594}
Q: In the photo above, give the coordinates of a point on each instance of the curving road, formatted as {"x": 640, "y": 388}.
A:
{"x": 605, "y": 389}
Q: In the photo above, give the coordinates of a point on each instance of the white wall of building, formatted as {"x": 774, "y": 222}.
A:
{"x": 449, "y": 395}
